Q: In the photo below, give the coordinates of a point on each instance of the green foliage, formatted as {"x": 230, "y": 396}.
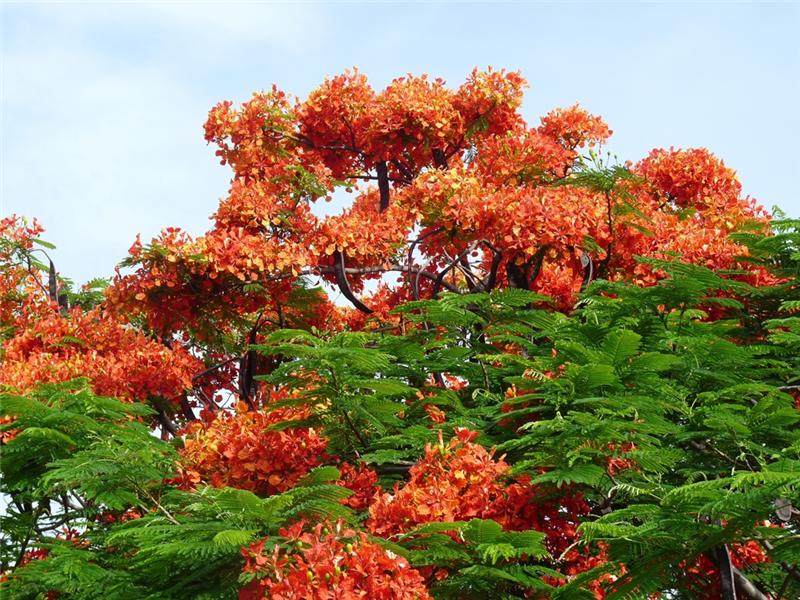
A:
{"x": 671, "y": 410}
{"x": 83, "y": 467}
{"x": 483, "y": 561}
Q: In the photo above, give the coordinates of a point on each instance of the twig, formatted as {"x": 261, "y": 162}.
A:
{"x": 214, "y": 368}
{"x": 167, "y": 514}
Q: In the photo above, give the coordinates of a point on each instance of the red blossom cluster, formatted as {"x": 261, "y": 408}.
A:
{"x": 618, "y": 462}
{"x": 326, "y": 562}
{"x": 117, "y": 360}
{"x": 461, "y": 480}
{"x": 48, "y": 343}
{"x": 452, "y": 482}
{"x": 693, "y": 178}
{"x": 362, "y": 481}
{"x": 240, "y": 450}
{"x": 23, "y": 296}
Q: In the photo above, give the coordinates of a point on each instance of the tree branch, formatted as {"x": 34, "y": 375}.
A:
{"x": 165, "y": 422}
{"x": 437, "y": 284}
{"x": 723, "y": 560}
{"x": 383, "y": 184}
{"x": 414, "y": 281}
{"x": 516, "y": 275}
{"x": 186, "y": 409}
{"x": 588, "y": 270}
{"x": 789, "y": 569}
{"x": 746, "y": 587}
{"x": 341, "y": 279}
{"x": 491, "y": 279}
{"x": 439, "y": 158}
{"x": 247, "y": 366}
{"x": 214, "y": 368}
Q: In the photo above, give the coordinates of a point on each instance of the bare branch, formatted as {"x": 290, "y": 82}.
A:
{"x": 437, "y": 284}
{"x": 744, "y": 585}
{"x": 383, "y": 184}
{"x": 723, "y": 560}
{"x": 340, "y": 273}
{"x": 491, "y": 279}
{"x": 588, "y": 270}
{"x": 165, "y": 422}
{"x": 214, "y": 368}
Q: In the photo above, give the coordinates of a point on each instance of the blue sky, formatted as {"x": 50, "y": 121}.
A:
{"x": 103, "y": 103}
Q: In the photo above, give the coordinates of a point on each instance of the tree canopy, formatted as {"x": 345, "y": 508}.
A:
{"x": 548, "y": 374}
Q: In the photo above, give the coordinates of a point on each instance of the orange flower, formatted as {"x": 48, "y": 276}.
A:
{"x": 328, "y": 561}
{"x": 239, "y": 450}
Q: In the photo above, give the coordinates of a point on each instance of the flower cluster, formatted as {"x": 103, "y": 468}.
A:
{"x": 240, "y": 450}
{"x": 452, "y": 482}
{"x": 362, "y": 481}
{"x": 117, "y": 360}
{"x": 22, "y": 294}
{"x": 702, "y": 576}
{"x": 461, "y": 480}
{"x": 328, "y": 561}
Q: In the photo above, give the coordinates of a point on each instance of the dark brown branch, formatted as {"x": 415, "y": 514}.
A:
{"x": 63, "y": 303}
{"x": 491, "y": 279}
{"x": 29, "y": 534}
{"x": 340, "y": 273}
{"x": 708, "y": 448}
{"x": 383, "y": 184}
{"x": 166, "y": 423}
{"x": 723, "y": 560}
{"x": 207, "y": 402}
{"x": 455, "y": 149}
{"x": 36, "y": 276}
{"x": 247, "y": 367}
{"x": 407, "y": 174}
{"x": 214, "y": 368}
{"x": 400, "y": 468}
{"x": 537, "y": 262}
{"x": 472, "y": 283}
{"x": 364, "y": 270}
{"x": 439, "y": 158}
{"x": 414, "y": 281}
{"x": 302, "y": 139}
{"x": 186, "y": 409}
{"x": 372, "y": 178}
{"x": 523, "y": 276}
{"x": 788, "y": 568}
{"x": 420, "y": 272}
{"x": 437, "y": 284}
{"x": 517, "y": 277}
{"x": 784, "y": 587}
{"x": 602, "y": 269}
{"x": 355, "y": 430}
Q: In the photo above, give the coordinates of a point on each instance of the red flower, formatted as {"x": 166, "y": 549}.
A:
{"x": 239, "y": 450}
{"x": 327, "y": 562}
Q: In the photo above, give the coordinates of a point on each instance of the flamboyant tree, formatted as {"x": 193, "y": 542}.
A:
{"x": 450, "y": 189}
{"x": 556, "y": 376}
